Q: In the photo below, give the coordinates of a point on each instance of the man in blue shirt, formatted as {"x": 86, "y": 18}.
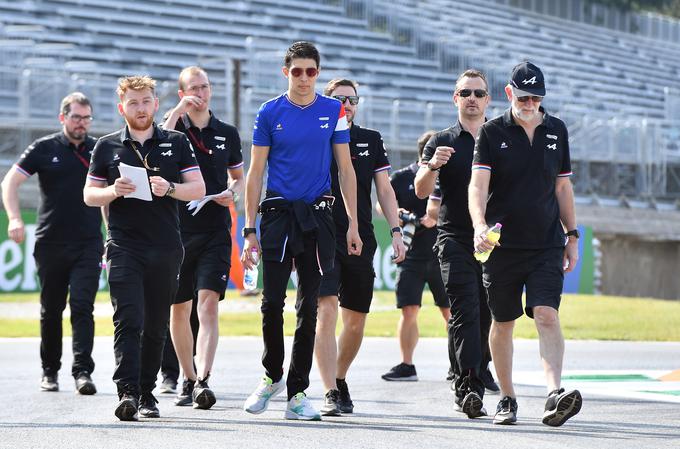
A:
{"x": 296, "y": 134}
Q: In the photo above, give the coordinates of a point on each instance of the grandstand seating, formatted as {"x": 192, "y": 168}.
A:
{"x": 403, "y": 50}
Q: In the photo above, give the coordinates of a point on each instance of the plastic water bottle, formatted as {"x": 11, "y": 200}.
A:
{"x": 250, "y": 274}
{"x": 493, "y": 235}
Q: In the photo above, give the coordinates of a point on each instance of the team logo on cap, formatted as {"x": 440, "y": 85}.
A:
{"x": 531, "y": 81}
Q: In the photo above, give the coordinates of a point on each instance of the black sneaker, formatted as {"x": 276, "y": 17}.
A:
{"x": 402, "y": 372}
{"x": 506, "y": 411}
{"x": 450, "y": 376}
{"x": 147, "y": 406}
{"x": 561, "y": 406}
{"x": 168, "y": 386}
{"x": 84, "y": 384}
{"x": 202, "y": 396}
{"x": 185, "y": 397}
{"x": 490, "y": 385}
{"x": 49, "y": 382}
{"x": 126, "y": 410}
{"x": 345, "y": 403}
{"x": 468, "y": 396}
{"x": 330, "y": 404}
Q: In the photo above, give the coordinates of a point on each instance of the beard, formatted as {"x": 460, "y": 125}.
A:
{"x": 525, "y": 116}
{"x": 77, "y": 133}
{"x": 139, "y": 124}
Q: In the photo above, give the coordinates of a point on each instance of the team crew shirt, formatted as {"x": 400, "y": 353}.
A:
{"x": 63, "y": 216}
{"x": 136, "y": 222}
{"x": 217, "y": 148}
{"x": 424, "y": 238}
{"x": 369, "y": 157}
{"x": 523, "y": 176}
{"x": 454, "y": 178}
{"x": 300, "y": 142}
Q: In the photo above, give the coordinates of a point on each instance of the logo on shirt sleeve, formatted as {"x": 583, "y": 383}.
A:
{"x": 504, "y": 146}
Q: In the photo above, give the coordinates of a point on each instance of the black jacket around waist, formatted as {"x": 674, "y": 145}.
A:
{"x": 286, "y": 223}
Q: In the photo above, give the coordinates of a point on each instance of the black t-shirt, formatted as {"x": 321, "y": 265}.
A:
{"x": 63, "y": 216}
{"x": 523, "y": 176}
{"x": 454, "y": 178}
{"x": 136, "y": 222}
{"x": 217, "y": 148}
{"x": 404, "y": 188}
{"x": 369, "y": 156}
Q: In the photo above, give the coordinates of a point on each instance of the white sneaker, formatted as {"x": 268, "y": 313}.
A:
{"x": 299, "y": 407}
{"x": 259, "y": 400}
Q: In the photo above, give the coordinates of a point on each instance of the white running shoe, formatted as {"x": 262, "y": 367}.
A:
{"x": 299, "y": 407}
{"x": 259, "y": 400}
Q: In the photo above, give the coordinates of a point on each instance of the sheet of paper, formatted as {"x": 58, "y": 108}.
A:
{"x": 197, "y": 205}
{"x": 139, "y": 178}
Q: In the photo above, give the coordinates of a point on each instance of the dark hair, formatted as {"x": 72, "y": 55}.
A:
{"x": 337, "y": 82}
{"x": 422, "y": 141}
{"x": 471, "y": 73}
{"x": 302, "y": 50}
{"x": 74, "y": 97}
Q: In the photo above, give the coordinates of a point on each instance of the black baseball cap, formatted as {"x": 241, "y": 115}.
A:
{"x": 527, "y": 79}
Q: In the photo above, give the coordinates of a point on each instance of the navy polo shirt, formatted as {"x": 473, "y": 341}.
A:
{"x": 63, "y": 216}
{"x": 217, "y": 148}
{"x": 369, "y": 157}
{"x": 133, "y": 221}
{"x": 523, "y": 176}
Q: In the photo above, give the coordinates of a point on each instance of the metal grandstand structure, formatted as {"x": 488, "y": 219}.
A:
{"x": 624, "y": 132}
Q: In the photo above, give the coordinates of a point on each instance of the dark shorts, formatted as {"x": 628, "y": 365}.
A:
{"x": 351, "y": 279}
{"x": 412, "y": 275}
{"x": 206, "y": 264}
{"x": 509, "y": 271}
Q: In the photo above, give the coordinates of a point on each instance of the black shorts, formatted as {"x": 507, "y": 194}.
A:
{"x": 412, "y": 274}
{"x": 509, "y": 271}
{"x": 206, "y": 264}
{"x": 351, "y": 279}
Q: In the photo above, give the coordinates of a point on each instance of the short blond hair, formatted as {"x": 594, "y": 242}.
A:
{"x": 189, "y": 71}
{"x": 135, "y": 82}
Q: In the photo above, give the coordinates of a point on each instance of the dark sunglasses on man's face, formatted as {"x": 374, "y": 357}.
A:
{"x": 310, "y": 71}
{"x": 353, "y": 99}
{"x": 534, "y": 98}
{"x": 479, "y": 93}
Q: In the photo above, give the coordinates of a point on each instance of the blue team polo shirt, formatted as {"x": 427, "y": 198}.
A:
{"x": 300, "y": 140}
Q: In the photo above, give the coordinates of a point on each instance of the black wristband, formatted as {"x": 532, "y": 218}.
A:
{"x": 245, "y": 232}
{"x": 396, "y": 229}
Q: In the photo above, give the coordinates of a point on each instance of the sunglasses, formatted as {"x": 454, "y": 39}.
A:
{"x": 144, "y": 159}
{"x": 479, "y": 93}
{"x": 310, "y": 71}
{"x": 353, "y": 99}
{"x": 534, "y": 98}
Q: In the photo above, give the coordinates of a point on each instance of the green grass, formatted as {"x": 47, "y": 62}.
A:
{"x": 583, "y": 317}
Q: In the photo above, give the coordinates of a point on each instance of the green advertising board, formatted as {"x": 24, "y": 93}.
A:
{"x": 17, "y": 267}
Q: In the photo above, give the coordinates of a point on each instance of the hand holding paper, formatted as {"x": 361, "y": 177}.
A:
{"x": 139, "y": 178}
{"x": 197, "y": 205}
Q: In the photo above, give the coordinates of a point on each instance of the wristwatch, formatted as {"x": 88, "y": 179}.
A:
{"x": 171, "y": 189}
{"x": 433, "y": 169}
{"x": 396, "y": 229}
{"x": 573, "y": 233}
{"x": 245, "y": 232}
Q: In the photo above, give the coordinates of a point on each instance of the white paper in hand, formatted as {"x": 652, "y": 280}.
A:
{"x": 138, "y": 177}
{"x": 197, "y": 205}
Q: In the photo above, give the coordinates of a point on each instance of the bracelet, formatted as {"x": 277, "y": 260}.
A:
{"x": 432, "y": 169}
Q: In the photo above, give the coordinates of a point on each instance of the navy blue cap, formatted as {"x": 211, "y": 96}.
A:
{"x": 528, "y": 79}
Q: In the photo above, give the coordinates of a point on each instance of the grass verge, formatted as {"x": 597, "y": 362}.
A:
{"x": 584, "y": 317}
